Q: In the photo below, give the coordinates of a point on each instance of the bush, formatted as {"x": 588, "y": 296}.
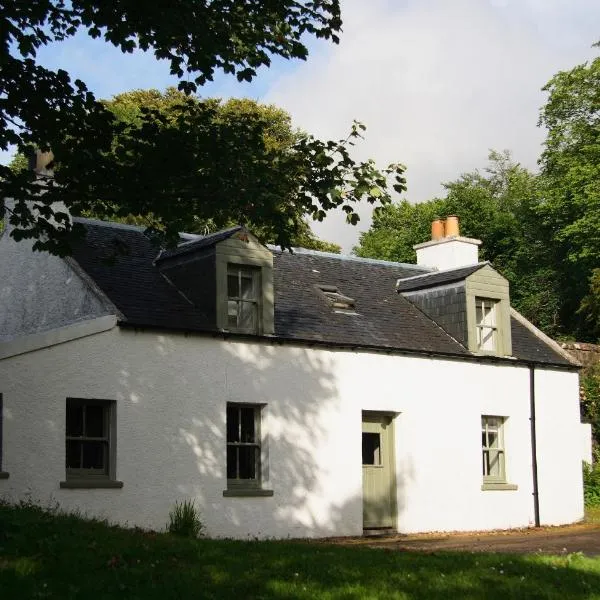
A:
{"x": 591, "y": 484}
{"x": 184, "y": 520}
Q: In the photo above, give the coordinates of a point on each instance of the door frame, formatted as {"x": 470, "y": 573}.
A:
{"x": 388, "y": 417}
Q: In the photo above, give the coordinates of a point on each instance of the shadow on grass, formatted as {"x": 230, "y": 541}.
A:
{"x": 61, "y": 556}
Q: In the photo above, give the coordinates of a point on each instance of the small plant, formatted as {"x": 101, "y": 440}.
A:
{"x": 591, "y": 484}
{"x": 184, "y": 520}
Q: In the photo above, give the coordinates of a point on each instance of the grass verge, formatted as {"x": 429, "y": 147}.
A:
{"x": 45, "y": 555}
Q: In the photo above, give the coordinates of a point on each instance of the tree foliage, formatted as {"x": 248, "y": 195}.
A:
{"x": 541, "y": 231}
{"x": 570, "y": 178}
{"x": 166, "y": 166}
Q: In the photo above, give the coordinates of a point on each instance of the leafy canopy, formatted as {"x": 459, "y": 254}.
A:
{"x": 158, "y": 165}
{"x": 228, "y": 119}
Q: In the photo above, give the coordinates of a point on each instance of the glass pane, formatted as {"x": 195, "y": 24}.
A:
{"x": 248, "y": 315}
{"x": 74, "y": 420}
{"x": 492, "y": 438}
{"x": 479, "y": 312}
{"x": 483, "y": 440}
{"x": 232, "y": 313}
{"x": 232, "y": 286}
{"x": 371, "y": 453}
{"x": 488, "y": 314}
{"x": 248, "y": 286}
{"x": 233, "y": 424}
{"x": 248, "y": 434}
{"x": 95, "y": 455}
{"x": 95, "y": 421}
{"x": 494, "y": 463}
{"x": 73, "y": 454}
{"x": 231, "y": 462}
{"x": 488, "y": 338}
{"x": 247, "y": 462}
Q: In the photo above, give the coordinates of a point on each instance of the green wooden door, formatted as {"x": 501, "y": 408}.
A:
{"x": 379, "y": 493}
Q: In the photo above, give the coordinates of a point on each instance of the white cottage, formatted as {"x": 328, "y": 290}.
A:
{"x": 300, "y": 395}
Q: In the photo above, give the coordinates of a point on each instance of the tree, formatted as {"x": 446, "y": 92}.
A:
{"x": 46, "y": 109}
{"x": 278, "y": 136}
{"x": 570, "y": 175}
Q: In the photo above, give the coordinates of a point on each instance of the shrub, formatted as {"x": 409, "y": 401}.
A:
{"x": 591, "y": 484}
{"x": 184, "y": 519}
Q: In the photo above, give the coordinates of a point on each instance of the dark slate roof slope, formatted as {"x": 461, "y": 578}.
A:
{"x": 132, "y": 283}
{"x": 527, "y": 346}
{"x": 418, "y": 282}
{"x": 384, "y": 318}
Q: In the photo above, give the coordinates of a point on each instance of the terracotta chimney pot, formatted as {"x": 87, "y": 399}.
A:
{"x": 437, "y": 229}
{"x": 452, "y": 228}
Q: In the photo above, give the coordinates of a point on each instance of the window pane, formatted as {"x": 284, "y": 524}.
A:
{"x": 95, "y": 421}
{"x": 247, "y": 462}
{"x": 94, "y": 455}
{"x": 478, "y": 312}
{"x": 371, "y": 453}
{"x": 492, "y": 439}
{"x": 73, "y": 454}
{"x": 248, "y": 286}
{"x": 494, "y": 463}
{"x": 74, "y": 420}
{"x": 248, "y": 433}
{"x": 232, "y": 286}
{"x": 488, "y": 339}
{"x": 233, "y": 424}
{"x": 231, "y": 462}
{"x": 247, "y": 315}
{"x": 232, "y": 313}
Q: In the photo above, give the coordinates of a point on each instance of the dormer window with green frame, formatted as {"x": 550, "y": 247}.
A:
{"x": 244, "y": 278}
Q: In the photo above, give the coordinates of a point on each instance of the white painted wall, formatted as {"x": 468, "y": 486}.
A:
{"x": 171, "y": 392}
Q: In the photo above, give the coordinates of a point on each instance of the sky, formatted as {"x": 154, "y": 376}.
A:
{"x": 438, "y": 83}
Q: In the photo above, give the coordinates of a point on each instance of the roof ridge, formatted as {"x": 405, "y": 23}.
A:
{"x": 350, "y": 257}
{"x": 479, "y": 265}
{"x": 109, "y": 224}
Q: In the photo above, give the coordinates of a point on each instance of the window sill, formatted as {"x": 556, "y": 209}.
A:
{"x": 499, "y": 486}
{"x": 3, "y": 475}
{"x": 246, "y": 493}
{"x": 88, "y": 484}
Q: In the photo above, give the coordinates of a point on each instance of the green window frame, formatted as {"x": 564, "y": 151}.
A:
{"x": 244, "y": 298}
{"x": 493, "y": 450}
{"x": 90, "y": 444}
{"x": 244, "y": 445}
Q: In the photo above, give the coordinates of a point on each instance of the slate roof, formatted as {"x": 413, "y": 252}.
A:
{"x": 419, "y": 282}
{"x": 384, "y": 319}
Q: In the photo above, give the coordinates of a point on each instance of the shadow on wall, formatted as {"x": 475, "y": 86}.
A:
{"x": 311, "y": 454}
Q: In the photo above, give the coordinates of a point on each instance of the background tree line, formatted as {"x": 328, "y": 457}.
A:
{"x": 542, "y": 231}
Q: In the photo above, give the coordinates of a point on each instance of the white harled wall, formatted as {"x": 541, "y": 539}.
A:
{"x": 171, "y": 392}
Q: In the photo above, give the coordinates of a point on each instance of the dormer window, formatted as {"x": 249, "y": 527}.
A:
{"x": 244, "y": 293}
{"x": 486, "y": 323}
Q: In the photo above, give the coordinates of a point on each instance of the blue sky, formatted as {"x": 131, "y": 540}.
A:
{"x": 437, "y": 82}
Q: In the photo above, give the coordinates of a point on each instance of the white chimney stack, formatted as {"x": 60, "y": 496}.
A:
{"x": 447, "y": 249}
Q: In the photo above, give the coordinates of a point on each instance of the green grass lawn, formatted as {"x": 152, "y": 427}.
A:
{"x": 62, "y": 556}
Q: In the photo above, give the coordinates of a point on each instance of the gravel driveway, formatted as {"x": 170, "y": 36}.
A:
{"x": 551, "y": 540}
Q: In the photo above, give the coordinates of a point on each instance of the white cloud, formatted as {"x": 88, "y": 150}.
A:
{"x": 438, "y": 83}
